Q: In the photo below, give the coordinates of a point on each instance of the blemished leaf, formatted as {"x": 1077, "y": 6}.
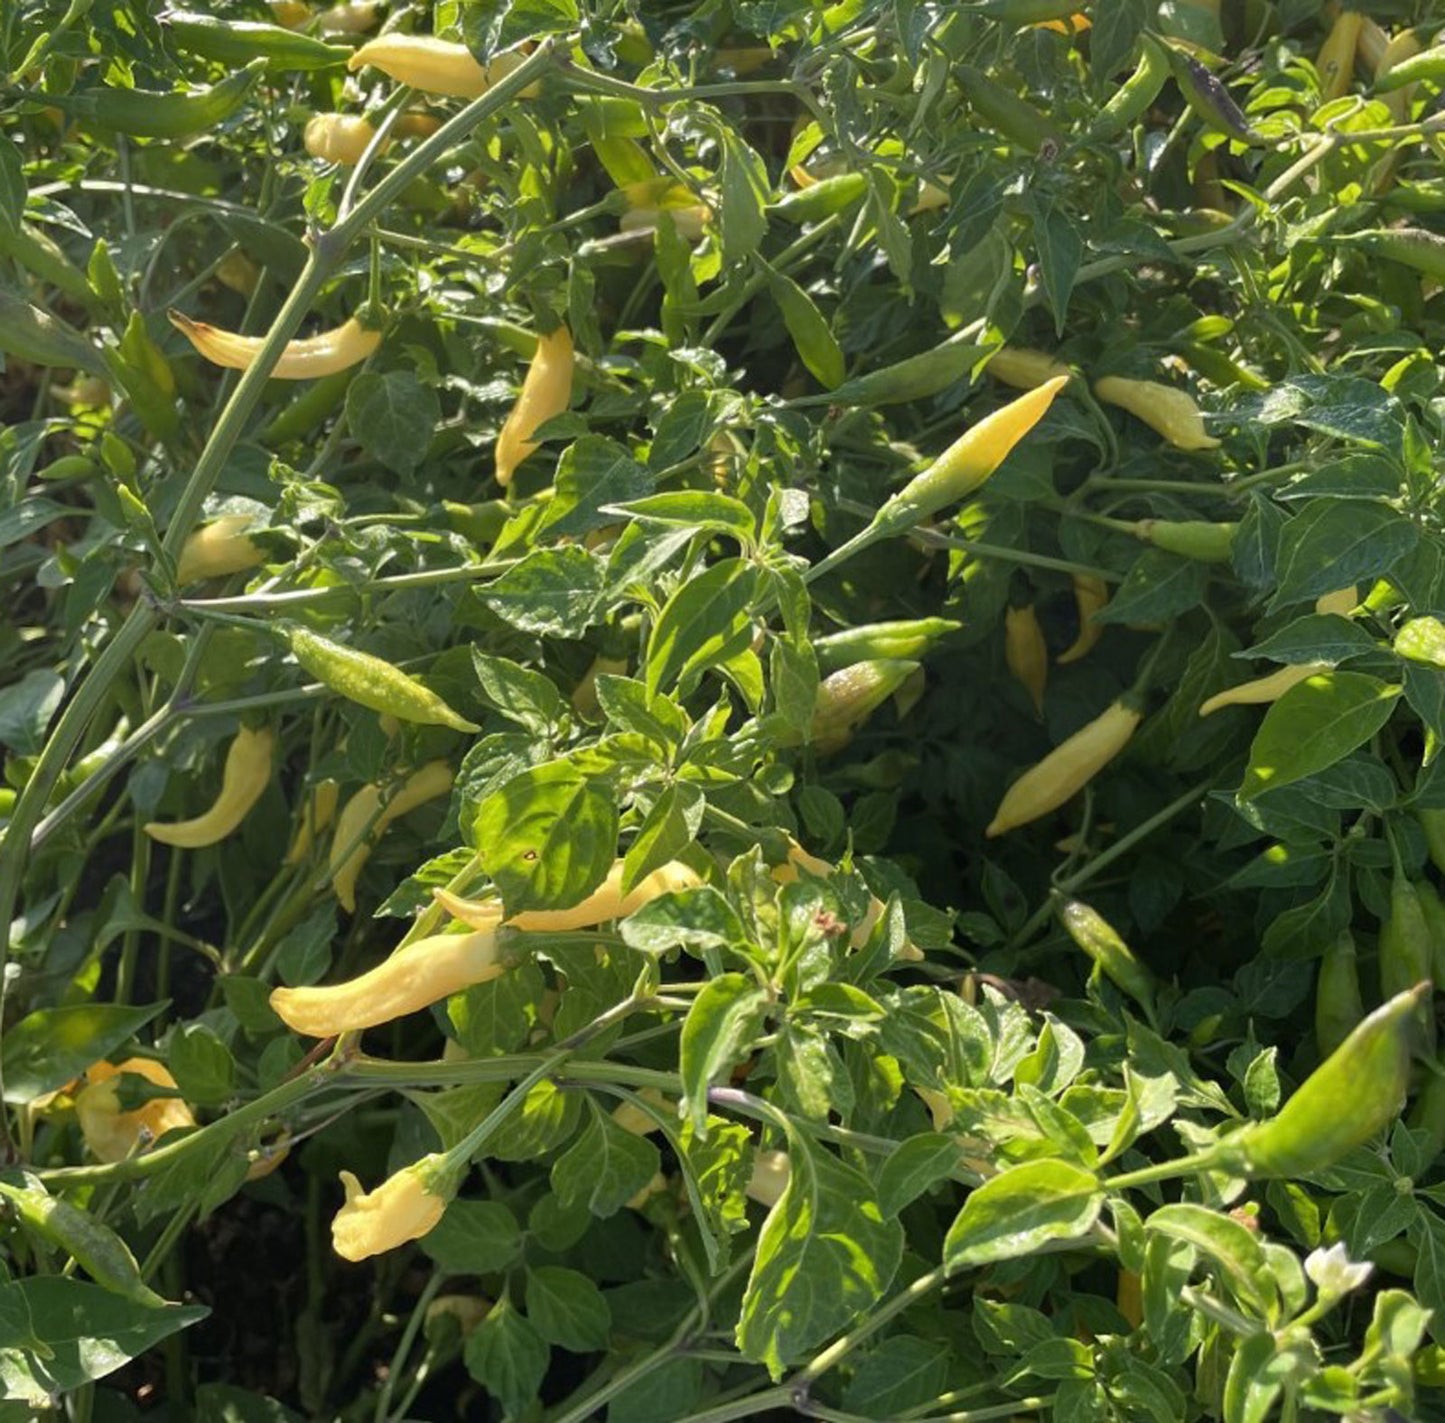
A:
{"x": 1314, "y": 725}
{"x": 552, "y": 592}
{"x": 825, "y": 1254}
{"x": 547, "y": 836}
{"x": 1021, "y": 1208}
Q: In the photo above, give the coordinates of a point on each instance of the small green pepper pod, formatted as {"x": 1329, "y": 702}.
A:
{"x": 243, "y": 41}
{"x": 1338, "y": 1004}
{"x": 1114, "y": 958}
{"x": 1190, "y": 538}
{"x": 1352, "y": 1096}
{"x": 905, "y": 638}
{"x": 1133, "y": 97}
{"x": 1210, "y": 101}
{"x": 821, "y": 199}
{"x": 1406, "y": 952}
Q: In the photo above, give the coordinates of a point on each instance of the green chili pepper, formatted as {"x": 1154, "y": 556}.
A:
{"x": 44, "y": 258}
{"x": 1410, "y": 246}
{"x": 242, "y": 41}
{"x": 33, "y": 335}
{"x": 164, "y": 113}
{"x": 1190, "y": 538}
{"x": 1428, "y": 1115}
{"x": 1352, "y": 1096}
{"x": 68, "y": 467}
{"x": 1432, "y": 822}
{"x": 1220, "y": 368}
{"x": 913, "y": 378}
{"x": 1338, "y": 1005}
{"x": 1113, "y": 957}
{"x": 298, "y": 421}
{"x": 1428, "y": 66}
{"x": 1419, "y": 195}
{"x": 1015, "y": 118}
{"x": 906, "y": 639}
{"x": 1134, "y": 96}
{"x": 481, "y": 523}
{"x": 371, "y": 681}
{"x": 1434, "y": 911}
{"x": 822, "y": 199}
{"x": 1406, "y": 952}
{"x": 1208, "y": 98}
{"x": 1024, "y": 12}
{"x": 96, "y": 1248}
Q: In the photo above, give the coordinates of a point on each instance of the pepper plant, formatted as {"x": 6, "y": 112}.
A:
{"x": 721, "y": 710}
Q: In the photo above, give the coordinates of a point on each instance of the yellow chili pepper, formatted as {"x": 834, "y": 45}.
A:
{"x": 1340, "y": 602}
{"x": 1066, "y": 770}
{"x": 349, "y": 851}
{"x": 414, "y": 977}
{"x": 1019, "y": 366}
{"x": 243, "y": 781}
{"x": 269, "y": 1156}
{"x": 545, "y": 392}
{"x": 769, "y": 1180}
{"x": 848, "y": 697}
{"x": 416, "y": 125}
{"x": 631, "y": 1118}
{"x": 1336, "y": 61}
{"x": 290, "y": 13}
{"x": 321, "y": 355}
{"x": 690, "y": 221}
{"x": 1269, "y": 688}
{"x": 316, "y": 816}
{"x": 238, "y": 272}
{"x": 1171, "y": 412}
{"x": 467, "y": 1310}
{"x": 1130, "y": 1297}
{"x": 1091, "y": 595}
{"x": 217, "y": 549}
{"x": 605, "y": 903}
{"x": 112, "y": 1134}
{"x": 404, "y": 1207}
{"x": 584, "y": 694}
{"x": 339, "y": 138}
{"x": 352, "y": 18}
{"x": 435, "y": 66}
{"x": 1026, "y": 652}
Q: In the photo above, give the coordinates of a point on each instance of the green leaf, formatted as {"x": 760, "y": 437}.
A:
{"x": 1232, "y": 1246}
{"x": 12, "y": 186}
{"x": 743, "y": 180}
{"x": 567, "y": 1309}
{"x": 813, "y": 338}
{"x": 1020, "y": 1209}
{"x": 1422, "y": 640}
{"x": 904, "y": 1372}
{"x": 87, "y": 1332}
{"x": 550, "y": 593}
{"x": 825, "y": 1255}
{"x": 913, "y": 1167}
{"x": 1060, "y": 250}
{"x": 1116, "y": 31}
{"x": 48, "y": 1048}
{"x": 1314, "y": 725}
{"x": 26, "y": 709}
{"x": 705, "y": 623}
{"x": 593, "y": 474}
{"x": 202, "y": 1064}
{"x": 671, "y": 826}
{"x": 604, "y": 1168}
{"x": 1159, "y": 586}
{"x": 508, "y": 1357}
{"x": 393, "y": 416}
{"x": 474, "y": 1238}
{"x": 720, "y": 1026}
{"x": 518, "y": 693}
{"x": 1330, "y": 544}
{"x": 1318, "y": 637}
{"x": 547, "y": 837}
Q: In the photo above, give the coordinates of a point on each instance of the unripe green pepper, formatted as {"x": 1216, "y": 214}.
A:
{"x": 1190, "y": 538}
{"x": 1414, "y": 247}
{"x": 1352, "y": 1096}
{"x": 1338, "y": 1004}
{"x": 1015, "y": 119}
{"x": 821, "y": 199}
{"x": 1406, "y": 953}
{"x": 850, "y": 696}
{"x": 913, "y": 378}
{"x": 1133, "y": 97}
{"x": 1432, "y": 822}
{"x": 1434, "y": 911}
{"x": 240, "y": 42}
{"x": 1428, "y": 1115}
{"x": 1099, "y": 939}
{"x": 299, "y": 419}
{"x": 909, "y": 637}
{"x": 1208, "y": 98}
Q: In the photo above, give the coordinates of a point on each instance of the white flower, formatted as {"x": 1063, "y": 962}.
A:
{"x": 1333, "y": 1272}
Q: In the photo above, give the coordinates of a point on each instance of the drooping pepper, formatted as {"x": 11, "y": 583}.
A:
{"x": 1190, "y": 538}
{"x": 320, "y": 355}
{"x": 218, "y": 549}
{"x": 1091, "y": 595}
{"x": 906, "y": 638}
{"x": 1339, "y": 1008}
{"x": 1406, "y": 953}
{"x": 1269, "y": 688}
{"x": 1066, "y": 770}
{"x": 113, "y": 1134}
{"x": 848, "y": 697}
{"x": 545, "y": 392}
{"x": 1351, "y": 1097}
{"x": 1335, "y": 63}
{"x": 1026, "y": 652}
{"x": 607, "y": 902}
{"x": 339, "y": 138}
{"x": 352, "y": 842}
{"x": 243, "y": 782}
{"x": 414, "y": 977}
{"x": 404, "y": 1207}
{"x": 1115, "y": 959}
{"x": 1171, "y": 412}
{"x": 1025, "y": 369}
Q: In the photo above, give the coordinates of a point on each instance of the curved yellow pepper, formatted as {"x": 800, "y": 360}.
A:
{"x": 349, "y": 851}
{"x": 1024, "y": 368}
{"x": 316, "y": 815}
{"x": 321, "y": 355}
{"x": 800, "y": 859}
{"x": 1171, "y": 412}
{"x": 1066, "y": 770}
{"x": 1026, "y": 652}
{"x": 545, "y": 392}
{"x": 339, "y": 138}
{"x": 414, "y": 977}
{"x": 1269, "y": 688}
{"x": 1091, "y": 595}
{"x": 435, "y": 66}
{"x": 402, "y": 1208}
{"x": 243, "y": 782}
